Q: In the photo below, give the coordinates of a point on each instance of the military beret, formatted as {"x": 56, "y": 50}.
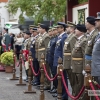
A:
{"x": 6, "y": 29}
{"x": 27, "y": 32}
{"x": 61, "y": 24}
{"x": 43, "y": 26}
{"x": 81, "y": 27}
{"x": 98, "y": 16}
{"x": 70, "y": 24}
{"x": 91, "y": 20}
{"x": 34, "y": 29}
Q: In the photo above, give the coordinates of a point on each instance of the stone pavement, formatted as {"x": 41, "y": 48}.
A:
{"x": 9, "y": 91}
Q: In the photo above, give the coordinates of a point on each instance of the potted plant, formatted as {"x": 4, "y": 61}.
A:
{"x": 7, "y": 61}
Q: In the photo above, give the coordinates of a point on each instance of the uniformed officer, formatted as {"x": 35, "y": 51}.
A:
{"x": 68, "y": 47}
{"x": 25, "y": 50}
{"x": 90, "y": 26}
{"x": 59, "y": 53}
{"x": 31, "y": 28}
{"x": 42, "y": 47}
{"x": 35, "y": 61}
{"x": 95, "y": 67}
{"x": 6, "y": 40}
{"x": 78, "y": 57}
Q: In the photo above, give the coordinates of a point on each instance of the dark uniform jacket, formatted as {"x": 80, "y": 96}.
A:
{"x": 59, "y": 48}
{"x": 32, "y": 47}
{"x": 52, "y": 49}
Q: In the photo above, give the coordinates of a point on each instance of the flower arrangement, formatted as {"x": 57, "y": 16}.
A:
{"x": 7, "y": 58}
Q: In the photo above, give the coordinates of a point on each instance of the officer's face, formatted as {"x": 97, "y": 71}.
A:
{"x": 35, "y": 33}
{"x": 50, "y": 33}
{"x": 30, "y": 30}
{"x": 68, "y": 30}
{"x": 60, "y": 29}
{"x": 87, "y": 25}
{"x": 97, "y": 23}
{"x": 77, "y": 32}
{"x": 39, "y": 30}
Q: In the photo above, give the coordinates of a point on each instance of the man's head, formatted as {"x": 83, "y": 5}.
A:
{"x": 43, "y": 28}
{"x": 97, "y": 22}
{"x": 90, "y": 22}
{"x": 61, "y": 27}
{"x": 27, "y": 34}
{"x": 5, "y": 30}
{"x": 35, "y": 32}
{"x": 70, "y": 27}
{"x": 31, "y": 28}
{"x": 50, "y": 32}
{"x": 80, "y": 30}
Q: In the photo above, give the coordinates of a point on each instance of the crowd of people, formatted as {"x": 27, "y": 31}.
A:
{"x": 77, "y": 45}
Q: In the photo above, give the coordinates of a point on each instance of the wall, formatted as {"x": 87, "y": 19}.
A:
{"x": 4, "y": 14}
{"x": 75, "y": 12}
{"x": 94, "y": 7}
{"x": 70, "y": 4}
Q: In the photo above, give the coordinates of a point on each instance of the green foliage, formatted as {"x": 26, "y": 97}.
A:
{"x": 7, "y": 58}
{"x": 39, "y": 9}
{"x": 82, "y": 1}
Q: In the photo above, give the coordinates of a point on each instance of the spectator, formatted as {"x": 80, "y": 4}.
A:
{"x": 18, "y": 44}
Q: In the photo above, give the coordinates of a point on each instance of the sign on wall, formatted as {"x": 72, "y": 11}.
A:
{"x": 81, "y": 16}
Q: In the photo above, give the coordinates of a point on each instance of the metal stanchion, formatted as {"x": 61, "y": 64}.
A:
{"x": 42, "y": 96}
{"x": 20, "y": 79}
{"x": 30, "y": 76}
{"x": 87, "y": 77}
{"x": 59, "y": 88}
{"x": 14, "y": 69}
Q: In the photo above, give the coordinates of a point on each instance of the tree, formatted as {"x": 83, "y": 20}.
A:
{"x": 39, "y": 9}
{"x": 82, "y": 1}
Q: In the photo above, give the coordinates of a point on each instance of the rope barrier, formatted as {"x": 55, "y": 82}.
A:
{"x": 48, "y": 77}
{"x": 67, "y": 91}
{"x": 32, "y": 67}
{"x": 92, "y": 87}
{"x": 98, "y": 86}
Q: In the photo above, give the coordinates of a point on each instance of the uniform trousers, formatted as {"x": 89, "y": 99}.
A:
{"x": 79, "y": 82}
{"x": 36, "y": 68}
{"x": 71, "y": 77}
{"x": 46, "y": 81}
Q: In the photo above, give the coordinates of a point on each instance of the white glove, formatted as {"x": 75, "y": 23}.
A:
{"x": 84, "y": 73}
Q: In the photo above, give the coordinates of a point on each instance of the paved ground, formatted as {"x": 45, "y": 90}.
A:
{"x": 9, "y": 91}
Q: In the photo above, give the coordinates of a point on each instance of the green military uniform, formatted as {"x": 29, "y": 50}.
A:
{"x": 89, "y": 46}
{"x": 78, "y": 62}
{"x": 42, "y": 43}
{"x": 68, "y": 47}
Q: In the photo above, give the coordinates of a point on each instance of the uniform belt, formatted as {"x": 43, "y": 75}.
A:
{"x": 77, "y": 58}
{"x": 65, "y": 54}
{"x": 41, "y": 49}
